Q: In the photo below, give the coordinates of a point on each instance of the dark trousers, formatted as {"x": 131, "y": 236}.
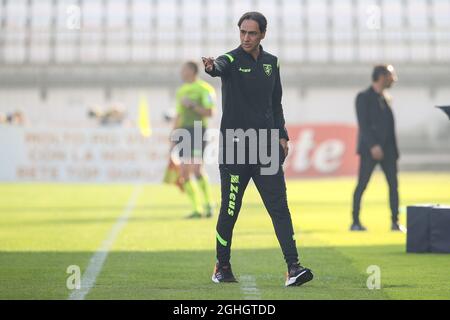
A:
{"x": 366, "y": 166}
{"x": 272, "y": 188}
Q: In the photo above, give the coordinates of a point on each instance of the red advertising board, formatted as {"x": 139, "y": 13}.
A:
{"x": 321, "y": 150}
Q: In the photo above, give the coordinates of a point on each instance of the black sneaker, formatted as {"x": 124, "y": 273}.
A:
{"x": 223, "y": 274}
{"x": 194, "y": 215}
{"x": 298, "y": 275}
{"x": 396, "y": 227}
{"x": 357, "y": 227}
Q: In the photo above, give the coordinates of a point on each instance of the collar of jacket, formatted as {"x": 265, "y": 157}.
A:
{"x": 261, "y": 52}
{"x": 372, "y": 90}
{"x": 384, "y": 95}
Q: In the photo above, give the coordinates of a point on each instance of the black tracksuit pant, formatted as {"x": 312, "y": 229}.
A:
{"x": 272, "y": 188}
{"x": 366, "y": 167}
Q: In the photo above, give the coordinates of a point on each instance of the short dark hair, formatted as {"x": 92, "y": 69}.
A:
{"x": 381, "y": 69}
{"x": 193, "y": 66}
{"x": 255, "y": 16}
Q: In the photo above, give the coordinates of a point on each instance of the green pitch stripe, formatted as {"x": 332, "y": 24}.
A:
{"x": 221, "y": 240}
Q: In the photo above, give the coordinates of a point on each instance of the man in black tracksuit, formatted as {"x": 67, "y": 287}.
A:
{"x": 251, "y": 91}
{"x": 377, "y": 142}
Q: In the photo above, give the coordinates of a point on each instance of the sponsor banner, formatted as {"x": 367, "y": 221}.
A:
{"x": 123, "y": 155}
{"x": 321, "y": 151}
{"x": 82, "y": 155}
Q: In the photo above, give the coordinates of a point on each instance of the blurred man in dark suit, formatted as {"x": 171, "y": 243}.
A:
{"x": 377, "y": 142}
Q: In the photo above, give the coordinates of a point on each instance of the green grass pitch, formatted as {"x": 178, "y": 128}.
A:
{"x": 44, "y": 228}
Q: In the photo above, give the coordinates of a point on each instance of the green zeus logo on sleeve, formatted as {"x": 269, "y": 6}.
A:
{"x": 234, "y": 189}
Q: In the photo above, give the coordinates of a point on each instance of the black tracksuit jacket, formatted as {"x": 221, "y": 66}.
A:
{"x": 251, "y": 91}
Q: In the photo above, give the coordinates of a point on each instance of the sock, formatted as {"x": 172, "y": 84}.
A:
{"x": 192, "y": 192}
{"x": 203, "y": 182}
{"x": 289, "y": 265}
{"x": 223, "y": 264}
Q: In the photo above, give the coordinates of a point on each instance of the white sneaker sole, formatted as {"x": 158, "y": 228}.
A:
{"x": 214, "y": 279}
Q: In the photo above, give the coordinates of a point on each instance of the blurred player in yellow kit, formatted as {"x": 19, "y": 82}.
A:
{"x": 195, "y": 101}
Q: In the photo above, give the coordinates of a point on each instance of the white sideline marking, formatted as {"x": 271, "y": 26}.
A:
{"x": 96, "y": 263}
{"x": 249, "y": 288}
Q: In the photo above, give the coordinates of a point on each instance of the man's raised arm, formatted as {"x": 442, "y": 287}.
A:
{"x": 218, "y": 67}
